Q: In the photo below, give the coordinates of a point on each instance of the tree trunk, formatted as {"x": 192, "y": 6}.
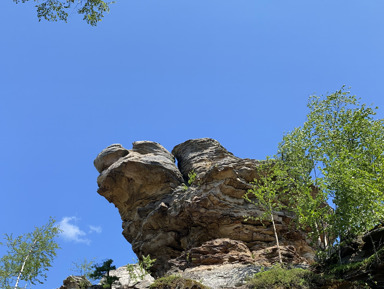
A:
{"x": 374, "y": 249}
{"x": 322, "y": 238}
{"x": 277, "y": 240}
{"x": 25, "y": 261}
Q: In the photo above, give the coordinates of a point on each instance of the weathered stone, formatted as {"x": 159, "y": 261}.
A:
{"x": 75, "y": 282}
{"x": 127, "y": 281}
{"x": 143, "y": 175}
{"x": 163, "y": 217}
{"x": 199, "y": 155}
{"x": 214, "y": 252}
{"x": 177, "y": 282}
{"x": 269, "y": 256}
{"x": 109, "y": 156}
{"x": 227, "y": 276}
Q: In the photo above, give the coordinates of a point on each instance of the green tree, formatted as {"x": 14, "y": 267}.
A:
{"x": 53, "y": 10}
{"x": 138, "y": 271}
{"x": 102, "y": 272}
{"x": 84, "y": 269}
{"x": 268, "y": 193}
{"x": 339, "y": 152}
{"x": 28, "y": 256}
{"x": 307, "y": 201}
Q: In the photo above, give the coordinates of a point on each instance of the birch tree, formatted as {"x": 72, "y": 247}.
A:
{"x": 28, "y": 257}
{"x": 340, "y": 150}
{"x": 268, "y": 193}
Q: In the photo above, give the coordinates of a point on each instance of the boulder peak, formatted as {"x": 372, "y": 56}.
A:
{"x": 165, "y": 217}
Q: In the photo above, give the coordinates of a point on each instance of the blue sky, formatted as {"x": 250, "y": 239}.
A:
{"x": 167, "y": 71}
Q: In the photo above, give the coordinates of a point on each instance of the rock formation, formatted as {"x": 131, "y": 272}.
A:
{"x": 189, "y": 225}
{"x": 125, "y": 280}
{"x": 361, "y": 259}
{"x": 75, "y": 282}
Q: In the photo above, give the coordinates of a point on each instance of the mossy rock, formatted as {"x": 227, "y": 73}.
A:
{"x": 176, "y": 282}
{"x": 279, "y": 277}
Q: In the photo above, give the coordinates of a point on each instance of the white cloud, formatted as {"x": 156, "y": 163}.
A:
{"x": 95, "y": 229}
{"x": 71, "y": 232}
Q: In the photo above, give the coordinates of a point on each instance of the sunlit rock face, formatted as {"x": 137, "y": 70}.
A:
{"x": 163, "y": 217}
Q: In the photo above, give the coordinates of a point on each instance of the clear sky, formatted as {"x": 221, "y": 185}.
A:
{"x": 167, "y": 71}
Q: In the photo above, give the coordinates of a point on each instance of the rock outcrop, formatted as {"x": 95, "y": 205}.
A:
{"x": 76, "y": 282}
{"x": 188, "y": 225}
{"x": 361, "y": 259}
{"x": 126, "y": 280}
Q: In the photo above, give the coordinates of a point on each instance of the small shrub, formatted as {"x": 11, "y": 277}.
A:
{"x": 284, "y": 278}
{"x": 176, "y": 282}
{"x": 138, "y": 272}
{"x": 191, "y": 177}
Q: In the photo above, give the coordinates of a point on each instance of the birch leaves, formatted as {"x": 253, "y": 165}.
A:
{"x": 28, "y": 256}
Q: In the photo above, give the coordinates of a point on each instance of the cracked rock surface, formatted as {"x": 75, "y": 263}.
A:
{"x": 163, "y": 216}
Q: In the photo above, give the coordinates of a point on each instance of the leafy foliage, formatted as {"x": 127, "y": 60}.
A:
{"x": 138, "y": 272}
{"x": 102, "y": 272}
{"x": 339, "y": 150}
{"x": 268, "y": 192}
{"x": 29, "y": 256}
{"x": 280, "y": 277}
{"x": 191, "y": 177}
{"x": 53, "y": 10}
{"x": 84, "y": 269}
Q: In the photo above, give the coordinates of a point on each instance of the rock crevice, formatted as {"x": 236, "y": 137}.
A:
{"x": 164, "y": 218}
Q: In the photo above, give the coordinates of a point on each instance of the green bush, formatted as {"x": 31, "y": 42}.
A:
{"x": 138, "y": 271}
{"x": 279, "y": 277}
{"x": 191, "y": 177}
{"x": 176, "y": 282}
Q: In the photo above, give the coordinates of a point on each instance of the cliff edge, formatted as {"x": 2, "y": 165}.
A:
{"x": 186, "y": 208}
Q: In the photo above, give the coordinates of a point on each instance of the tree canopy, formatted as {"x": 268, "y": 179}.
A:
{"x": 54, "y": 10}
{"x": 339, "y": 150}
{"x": 28, "y": 256}
{"x": 102, "y": 272}
{"x": 335, "y": 158}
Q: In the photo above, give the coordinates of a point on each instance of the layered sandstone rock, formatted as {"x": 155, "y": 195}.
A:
{"x": 165, "y": 218}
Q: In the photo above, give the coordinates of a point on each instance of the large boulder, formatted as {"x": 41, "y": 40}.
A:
{"x": 136, "y": 279}
{"x": 165, "y": 216}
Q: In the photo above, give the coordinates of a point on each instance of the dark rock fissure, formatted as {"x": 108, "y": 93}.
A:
{"x": 164, "y": 218}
